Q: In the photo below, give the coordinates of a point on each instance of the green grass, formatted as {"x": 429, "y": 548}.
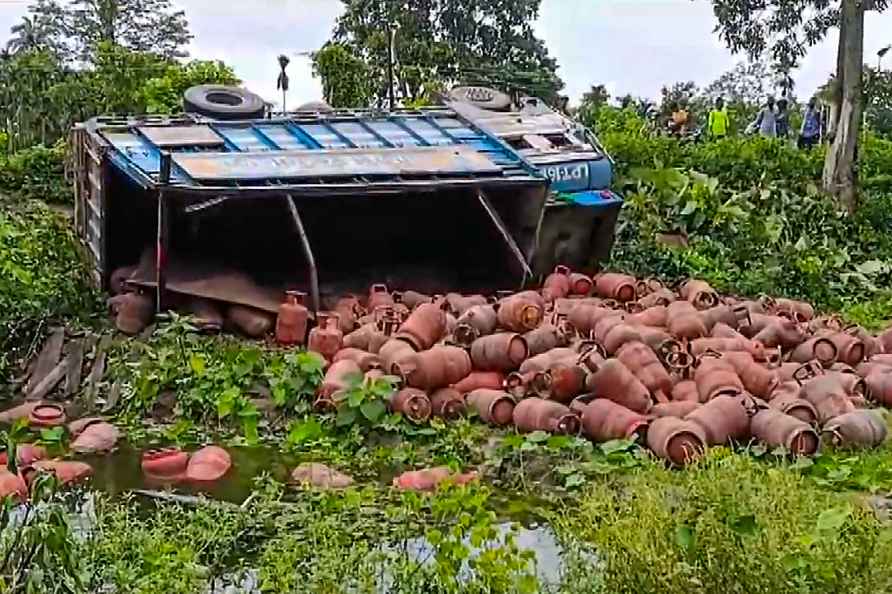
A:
{"x": 730, "y": 524}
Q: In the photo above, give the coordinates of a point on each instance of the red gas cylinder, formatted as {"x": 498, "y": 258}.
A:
{"x": 208, "y": 464}
{"x": 291, "y": 325}
{"x": 165, "y": 464}
{"x": 326, "y": 338}
{"x": 47, "y": 415}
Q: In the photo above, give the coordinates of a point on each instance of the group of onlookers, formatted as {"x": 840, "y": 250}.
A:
{"x": 772, "y": 121}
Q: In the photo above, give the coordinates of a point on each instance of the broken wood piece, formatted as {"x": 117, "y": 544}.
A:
{"x": 49, "y": 382}
{"x": 191, "y": 500}
{"x": 75, "y": 355}
{"x": 114, "y": 394}
{"x": 97, "y": 371}
{"x": 48, "y": 358}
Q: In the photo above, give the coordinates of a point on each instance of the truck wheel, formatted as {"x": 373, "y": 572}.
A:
{"x": 223, "y": 102}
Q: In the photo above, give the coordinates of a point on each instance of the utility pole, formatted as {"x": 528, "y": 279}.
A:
{"x": 391, "y": 58}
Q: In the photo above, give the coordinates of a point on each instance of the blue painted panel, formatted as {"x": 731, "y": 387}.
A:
{"x": 324, "y": 136}
{"x": 428, "y": 132}
{"x": 395, "y": 134}
{"x": 137, "y": 150}
{"x": 595, "y": 199}
{"x": 367, "y": 131}
{"x": 245, "y": 139}
{"x": 358, "y": 135}
{"x": 283, "y": 138}
{"x": 578, "y": 176}
{"x": 600, "y": 174}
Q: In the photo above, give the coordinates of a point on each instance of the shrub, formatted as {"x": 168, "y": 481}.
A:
{"x": 731, "y": 524}
{"x": 752, "y": 215}
{"x": 42, "y": 277}
{"x": 36, "y": 173}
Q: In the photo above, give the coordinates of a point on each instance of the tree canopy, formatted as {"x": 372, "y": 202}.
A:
{"x": 785, "y": 30}
{"x": 439, "y": 43}
{"x": 74, "y": 30}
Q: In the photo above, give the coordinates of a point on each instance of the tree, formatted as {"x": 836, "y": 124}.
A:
{"x": 164, "y": 93}
{"x": 139, "y": 25}
{"x": 347, "y": 81}
{"x": 596, "y": 96}
{"x": 439, "y": 43}
{"x": 878, "y": 100}
{"x": 745, "y": 83}
{"x": 74, "y": 30}
{"x": 785, "y": 29}
{"x": 42, "y": 30}
{"x": 40, "y": 97}
{"x": 592, "y": 102}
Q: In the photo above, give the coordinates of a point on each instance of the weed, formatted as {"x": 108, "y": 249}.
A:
{"x": 364, "y": 403}
{"x": 213, "y": 375}
{"x": 42, "y": 279}
{"x": 38, "y": 549}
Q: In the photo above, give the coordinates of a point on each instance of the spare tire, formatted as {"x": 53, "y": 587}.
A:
{"x": 482, "y": 97}
{"x": 223, "y": 102}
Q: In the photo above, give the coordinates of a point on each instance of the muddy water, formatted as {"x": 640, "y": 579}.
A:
{"x": 120, "y": 472}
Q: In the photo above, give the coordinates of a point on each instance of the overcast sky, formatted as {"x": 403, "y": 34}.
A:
{"x": 632, "y": 46}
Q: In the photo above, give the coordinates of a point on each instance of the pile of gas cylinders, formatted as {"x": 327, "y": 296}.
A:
{"x": 611, "y": 357}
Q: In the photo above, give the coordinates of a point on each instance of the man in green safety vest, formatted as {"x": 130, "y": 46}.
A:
{"x": 718, "y": 120}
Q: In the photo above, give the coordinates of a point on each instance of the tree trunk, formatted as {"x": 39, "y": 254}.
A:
{"x": 839, "y": 167}
{"x": 836, "y": 97}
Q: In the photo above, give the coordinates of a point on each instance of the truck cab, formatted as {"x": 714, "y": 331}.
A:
{"x": 581, "y": 211}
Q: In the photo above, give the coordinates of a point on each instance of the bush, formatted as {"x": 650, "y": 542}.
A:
{"x": 731, "y": 524}
{"x": 36, "y": 173}
{"x": 752, "y": 215}
{"x": 164, "y": 94}
{"x": 42, "y": 277}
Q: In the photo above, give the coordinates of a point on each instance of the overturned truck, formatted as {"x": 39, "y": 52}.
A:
{"x": 238, "y": 211}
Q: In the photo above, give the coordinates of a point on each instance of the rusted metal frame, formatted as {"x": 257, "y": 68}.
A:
{"x": 337, "y": 133}
{"x": 506, "y": 236}
{"x": 400, "y": 121}
{"x": 162, "y": 247}
{"x": 376, "y": 134}
{"x": 308, "y": 251}
{"x": 313, "y": 189}
{"x": 105, "y": 271}
{"x": 269, "y": 142}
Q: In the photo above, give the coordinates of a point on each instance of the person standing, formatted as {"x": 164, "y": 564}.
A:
{"x": 766, "y": 121}
{"x": 783, "y": 119}
{"x": 678, "y": 120}
{"x": 718, "y": 120}
{"x": 810, "y": 134}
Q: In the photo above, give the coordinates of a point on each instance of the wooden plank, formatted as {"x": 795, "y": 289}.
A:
{"x": 48, "y": 358}
{"x": 74, "y": 352}
{"x": 50, "y": 381}
{"x": 97, "y": 371}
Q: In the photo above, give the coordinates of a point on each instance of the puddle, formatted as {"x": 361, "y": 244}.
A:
{"x": 121, "y": 471}
{"x": 540, "y": 540}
